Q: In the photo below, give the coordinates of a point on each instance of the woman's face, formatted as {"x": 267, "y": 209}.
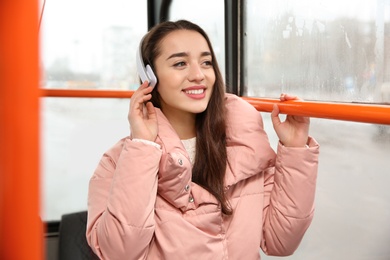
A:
{"x": 185, "y": 73}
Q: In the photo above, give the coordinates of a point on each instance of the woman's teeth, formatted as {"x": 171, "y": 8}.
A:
{"x": 195, "y": 91}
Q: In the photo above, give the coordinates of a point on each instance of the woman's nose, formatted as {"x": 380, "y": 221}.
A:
{"x": 195, "y": 73}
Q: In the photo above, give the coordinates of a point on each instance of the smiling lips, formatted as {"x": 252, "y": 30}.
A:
{"x": 195, "y": 92}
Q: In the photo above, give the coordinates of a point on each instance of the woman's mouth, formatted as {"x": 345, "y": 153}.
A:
{"x": 195, "y": 93}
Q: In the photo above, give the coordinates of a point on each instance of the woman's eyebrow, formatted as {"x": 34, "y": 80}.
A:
{"x": 205, "y": 53}
{"x": 185, "y": 54}
{"x": 179, "y": 54}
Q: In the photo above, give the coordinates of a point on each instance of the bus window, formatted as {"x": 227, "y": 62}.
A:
{"x": 84, "y": 45}
{"x": 91, "y": 44}
{"x": 331, "y": 51}
{"x": 326, "y": 50}
{"x": 75, "y": 134}
{"x": 203, "y": 13}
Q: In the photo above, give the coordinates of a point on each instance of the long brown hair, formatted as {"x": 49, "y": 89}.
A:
{"x": 211, "y": 156}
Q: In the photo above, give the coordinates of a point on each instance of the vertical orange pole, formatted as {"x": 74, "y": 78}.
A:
{"x": 21, "y": 232}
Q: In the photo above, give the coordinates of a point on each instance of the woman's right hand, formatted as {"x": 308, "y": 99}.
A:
{"x": 143, "y": 118}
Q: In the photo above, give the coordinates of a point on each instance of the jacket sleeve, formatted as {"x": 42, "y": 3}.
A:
{"x": 289, "y": 198}
{"x": 121, "y": 197}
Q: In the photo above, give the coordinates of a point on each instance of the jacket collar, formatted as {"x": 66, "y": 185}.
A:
{"x": 248, "y": 150}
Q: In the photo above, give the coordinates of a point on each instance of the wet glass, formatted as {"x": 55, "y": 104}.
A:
{"x": 88, "y": 44}
{"x": 331, "y": 51}
{"x": 85, "y": 44}
{"x": 319, "y": 50}
{"x": 75, "y": 134}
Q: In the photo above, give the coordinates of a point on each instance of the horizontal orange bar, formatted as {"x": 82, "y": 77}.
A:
{"x": 356, "y": 112}
{"x": 86, "y": 93}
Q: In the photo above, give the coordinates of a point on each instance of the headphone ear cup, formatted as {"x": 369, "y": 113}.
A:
{"x": 140, "y": 67}
{"x": 152, "y": 77}
{"x": 144, "y": 72}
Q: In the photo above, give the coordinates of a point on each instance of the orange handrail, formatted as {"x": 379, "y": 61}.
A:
{"x": 21, "y": 230}
{"x": 86, "y": 93}
{"x": 357, "y": 112}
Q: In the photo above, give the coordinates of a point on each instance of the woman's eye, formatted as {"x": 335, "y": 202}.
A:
{"x": 180, "y": 64}
{"x": 208, "y": 63}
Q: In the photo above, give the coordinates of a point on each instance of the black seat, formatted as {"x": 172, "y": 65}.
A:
{"x": 72, "y": 241}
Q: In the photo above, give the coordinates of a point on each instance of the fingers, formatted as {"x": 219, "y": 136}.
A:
{"x": 141, "y": 95}
{"x": 137, "y": 109}
{"x": 285, "y": 97}
{"x": 143, "y": 92}
{"x": 275, "y": 116}
{"x": 150, "y": 110}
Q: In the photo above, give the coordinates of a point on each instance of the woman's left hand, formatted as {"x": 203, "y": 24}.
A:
{"x": 294, "y": 131}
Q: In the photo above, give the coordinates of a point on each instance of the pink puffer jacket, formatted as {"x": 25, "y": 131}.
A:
{"x": 143, "y": 205}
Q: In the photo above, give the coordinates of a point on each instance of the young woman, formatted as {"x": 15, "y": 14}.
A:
{"x": 197, "y": 178}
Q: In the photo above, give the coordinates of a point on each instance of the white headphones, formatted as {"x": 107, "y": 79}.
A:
{"x": 145, "y": 73}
